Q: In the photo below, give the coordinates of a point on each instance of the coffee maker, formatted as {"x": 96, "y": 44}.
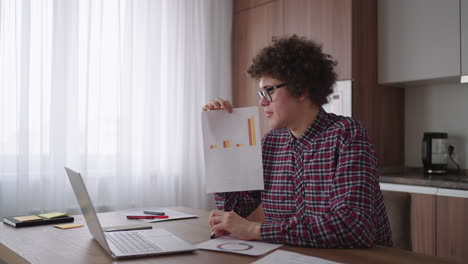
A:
{"x": 435, "y": 153}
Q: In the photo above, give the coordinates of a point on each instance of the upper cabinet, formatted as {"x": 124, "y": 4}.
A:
{"x": 326, "y": 21}
{"x": 464, "y": 37}
{"x": 418, "y": 40}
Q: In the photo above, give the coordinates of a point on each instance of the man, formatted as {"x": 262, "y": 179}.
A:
{"x": 319, "y": 169}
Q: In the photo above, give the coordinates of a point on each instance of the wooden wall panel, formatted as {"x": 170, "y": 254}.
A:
{"x": 253, "y": 30}
{"x": 326, "y": 21}
{"x": 381, "y": 108}
{"x": 423, "y": 223}
{"x": 452, "y": 228}
{"x": 241, "y": 5}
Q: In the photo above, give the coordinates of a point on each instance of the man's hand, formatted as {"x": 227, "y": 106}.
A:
{"x": 258, "y": 215}
{"x": 223, "y": 223}
{"x": 218, "y": 104}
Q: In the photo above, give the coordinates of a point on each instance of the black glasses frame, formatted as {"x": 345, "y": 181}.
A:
{"x": 266, "y": 92}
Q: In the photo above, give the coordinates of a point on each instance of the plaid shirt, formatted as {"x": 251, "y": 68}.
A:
{"x": 321, "y": 190}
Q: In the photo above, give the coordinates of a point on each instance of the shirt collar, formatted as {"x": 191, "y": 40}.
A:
{"x": 318, "y": 125}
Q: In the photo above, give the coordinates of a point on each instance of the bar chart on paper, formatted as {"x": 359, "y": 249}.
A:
{"x": 250, "y": 131}
{"x": 232, "y": 151}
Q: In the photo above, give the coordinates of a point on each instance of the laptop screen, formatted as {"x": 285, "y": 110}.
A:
{"x": 87, "y": 207}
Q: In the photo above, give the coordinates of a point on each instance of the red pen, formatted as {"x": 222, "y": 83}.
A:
{"x": 146, "y": 216}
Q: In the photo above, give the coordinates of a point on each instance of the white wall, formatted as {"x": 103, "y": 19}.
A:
{"x": 436, "y": 108}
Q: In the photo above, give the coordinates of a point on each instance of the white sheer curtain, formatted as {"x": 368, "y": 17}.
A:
{"x": 112, "y": 89}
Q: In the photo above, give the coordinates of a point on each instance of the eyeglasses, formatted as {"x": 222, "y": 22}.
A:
{"x": 267, "y": 91}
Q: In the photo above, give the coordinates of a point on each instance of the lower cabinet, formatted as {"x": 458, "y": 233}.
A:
{"x": 429, "y": 224}
{"x": 439, "y": 226}
{"x": 452, "y": 228}
{"x": 398, "y": 206}
{"x": 423, "y": 223}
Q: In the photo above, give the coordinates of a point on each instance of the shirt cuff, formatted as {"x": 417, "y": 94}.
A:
{"x": 273, "y": 232}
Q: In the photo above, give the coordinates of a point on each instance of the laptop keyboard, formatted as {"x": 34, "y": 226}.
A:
{"x": 131, "y": 242}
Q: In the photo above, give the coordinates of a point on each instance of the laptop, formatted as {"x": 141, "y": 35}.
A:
{"x": 125, "y": 244}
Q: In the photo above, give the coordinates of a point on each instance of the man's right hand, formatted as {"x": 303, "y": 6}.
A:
{"x": 218, "y": 104}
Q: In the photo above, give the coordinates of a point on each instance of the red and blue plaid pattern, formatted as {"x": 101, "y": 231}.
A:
{"x": 321, "y": 190}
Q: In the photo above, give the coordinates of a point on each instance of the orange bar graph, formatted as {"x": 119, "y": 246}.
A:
{"x": 252, "y": 134}
{"x": 226, "y": 143}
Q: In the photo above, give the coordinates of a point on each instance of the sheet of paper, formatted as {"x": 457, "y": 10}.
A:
{"x": 234, "y": 245}
{"x": 27, "y": 218}
{"x": 232, "y": 150}
{"x": 68, "y": 226}
{"x": 173, "y": 215}
{"x": 53, "y": 215}
{"x": 287, "y": 257}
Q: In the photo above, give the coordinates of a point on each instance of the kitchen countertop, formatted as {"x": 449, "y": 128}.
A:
{"x": 415, "y": 176}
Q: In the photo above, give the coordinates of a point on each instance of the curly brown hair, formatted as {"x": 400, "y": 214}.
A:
{"x": 299, "y": 62}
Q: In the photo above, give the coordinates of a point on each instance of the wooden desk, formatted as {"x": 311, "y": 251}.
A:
{"x": 45, "y": 244}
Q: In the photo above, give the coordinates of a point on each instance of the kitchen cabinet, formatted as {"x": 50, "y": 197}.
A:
{"x": 398, "y": 206}
{"x": 418, "y": 40}
{"x": 438, "y": 224}
{"x": 412, "y": 218}
{"x": 423, "y": 223}
{"x": 464, "y": 37}
{"x": 438, "y": 219}
{"x": 452, "y": 229}
{"x": 348, "y": 31}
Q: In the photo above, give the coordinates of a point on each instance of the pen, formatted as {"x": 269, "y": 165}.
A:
{"x": 153, "y": 213}
{"x": 213, "y": 235}
{"x": 146, "y": 216}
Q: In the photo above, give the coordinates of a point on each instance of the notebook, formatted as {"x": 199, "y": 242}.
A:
{"x": 125, "y": 244}
{"x": 10, "y": 220}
